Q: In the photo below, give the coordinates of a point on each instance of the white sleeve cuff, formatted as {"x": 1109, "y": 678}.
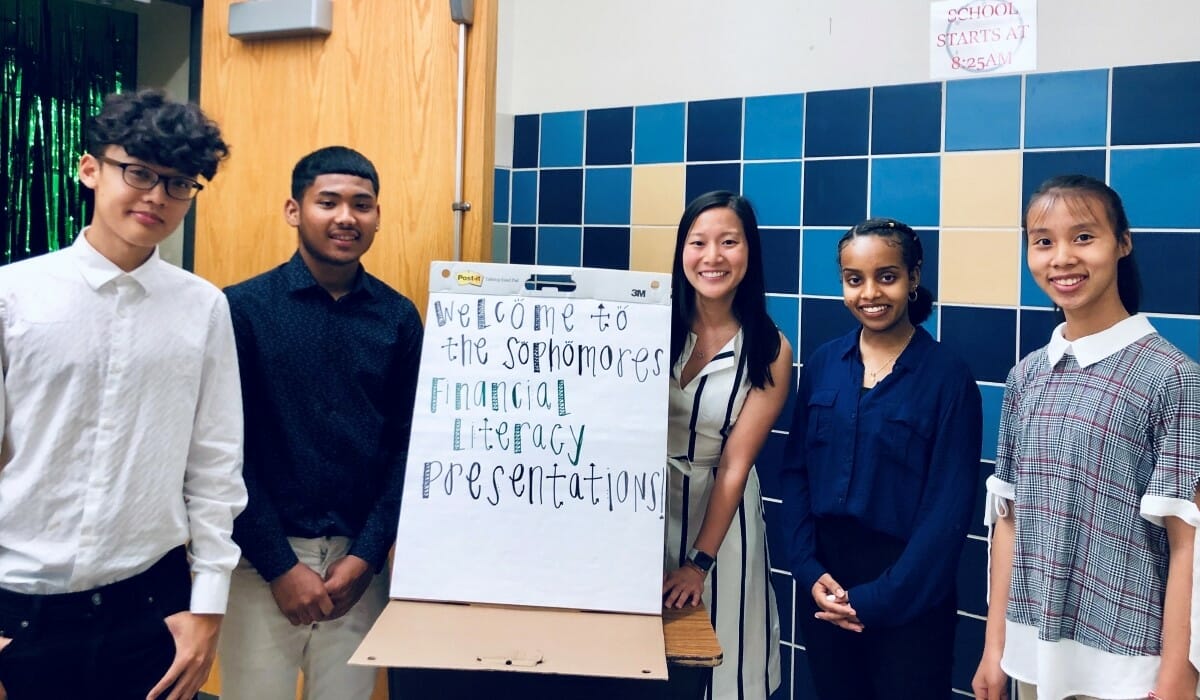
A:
{"x": 210, "y": 592}
{"x": 1000, "y": 495}
{"x": 1155, "y": 508}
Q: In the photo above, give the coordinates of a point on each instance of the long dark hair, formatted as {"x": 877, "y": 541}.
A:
{"x": 911, "y": 252}
{"x": 760, "y": 337}
{"x": 1078, "y": 187}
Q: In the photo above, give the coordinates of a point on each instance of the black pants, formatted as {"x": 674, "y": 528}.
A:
{"x": 912, "y": 660}
{"x": 109, "y": 642}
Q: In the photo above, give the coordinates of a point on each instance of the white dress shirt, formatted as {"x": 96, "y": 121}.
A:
{"x": 122, "y": 425}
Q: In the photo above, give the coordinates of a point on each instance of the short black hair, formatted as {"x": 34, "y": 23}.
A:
{"x": 152, "y": 127}
{"x": 920, "y": 301}
{"x": 328, "y": 161}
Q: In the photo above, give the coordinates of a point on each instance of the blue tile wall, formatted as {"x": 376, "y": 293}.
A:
{"x": 815, "y": 163}
{"x": 606, "y": 246}
{"x": 1156, "y": 104}
{"x": 1066, "y": 109}
{"x": 837, "y": 123}
{"x": 983, "y": 113}
{"x": 907, "y": 119}
{"x": 609, "y": 136}
{"x": 658, "y": 133}
{"x": 774, "y": 127}
{"x": 908, "y": 189}
{"x": 714, "y": 130}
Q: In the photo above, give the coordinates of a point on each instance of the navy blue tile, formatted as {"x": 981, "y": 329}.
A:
{"x": 609, "y": 139}
{"x": 606, "y": 246}
{"x": 1156, "y": 104}
{"x": 781, "y": 259}
{"x": 560, "y": 196}
{"x": 500, "y": 205}
{"x": 1168, "y": 263}
{"x": 907, "y": 119}
{"x": 1039, "y": 166}
{"x": 968, "y": 647}
{"x": 525, "y": 140}
{"x": 783, "y": 598}
{"x": 522, "y": 245}
{"x": 715, "y": 176}
{"x": 836, "y": 122}
{"x": 835, "y": 192}
{"x": 1036, "y": 326}
{"x": 714, "y": 130}
{"x": 976, "y": 526}
{"x": 986, "y": 339}
{"x": 784, "y": 691}
{"x": 768, "y": 465}
{"x": 784, "y": 421}
{"x": 822, "y": 320}
{"x": 972, "y": 574}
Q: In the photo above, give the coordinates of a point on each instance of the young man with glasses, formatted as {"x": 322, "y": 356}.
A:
{"x": 120, "y": 473}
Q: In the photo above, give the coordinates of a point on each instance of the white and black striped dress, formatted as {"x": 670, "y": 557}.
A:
{"x": 738, "y": 591}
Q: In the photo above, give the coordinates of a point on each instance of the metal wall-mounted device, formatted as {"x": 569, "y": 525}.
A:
{"x": 271, "y": 19}
{"x": 462, "y": 11}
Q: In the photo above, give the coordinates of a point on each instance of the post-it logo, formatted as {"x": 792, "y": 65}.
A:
{"x": 474, "y": 279}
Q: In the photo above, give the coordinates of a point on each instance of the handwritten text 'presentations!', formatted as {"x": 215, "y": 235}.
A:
{"x": 605, "y": 488}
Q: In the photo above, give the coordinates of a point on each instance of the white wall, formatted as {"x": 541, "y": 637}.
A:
{"x": 576, "y": 54}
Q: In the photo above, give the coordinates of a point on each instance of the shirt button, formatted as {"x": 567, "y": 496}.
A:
{"x": 96, "y": 599}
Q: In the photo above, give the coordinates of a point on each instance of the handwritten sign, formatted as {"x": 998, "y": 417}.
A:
{"x": 982, "y": 37}
{"x": 536, "y": 470}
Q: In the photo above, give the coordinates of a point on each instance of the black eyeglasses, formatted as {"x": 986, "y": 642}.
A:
{"x": 140, "y": 177}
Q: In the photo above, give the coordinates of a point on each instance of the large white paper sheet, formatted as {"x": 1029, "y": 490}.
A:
{"x": 536, "y": 469}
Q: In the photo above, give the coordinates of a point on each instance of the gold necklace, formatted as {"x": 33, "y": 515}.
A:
{"x": 890, "y": 360}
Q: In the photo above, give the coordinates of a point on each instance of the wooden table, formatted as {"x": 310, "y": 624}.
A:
{"x": 692, "y": 652}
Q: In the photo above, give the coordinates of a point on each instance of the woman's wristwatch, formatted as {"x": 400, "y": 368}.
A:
{"x": 700, "y": 560}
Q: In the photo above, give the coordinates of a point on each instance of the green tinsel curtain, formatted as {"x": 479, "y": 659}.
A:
{"x": 60, "y": 58}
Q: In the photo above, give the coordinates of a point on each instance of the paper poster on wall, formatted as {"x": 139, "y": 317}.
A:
{"x": 982, "y": 37}
{"x": 536, "y": 468}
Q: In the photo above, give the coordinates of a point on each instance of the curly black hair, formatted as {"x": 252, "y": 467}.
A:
{"x": 152, "y": 127}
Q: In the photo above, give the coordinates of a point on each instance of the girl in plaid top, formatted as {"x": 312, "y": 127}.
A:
{"x": 1097, "y": 467}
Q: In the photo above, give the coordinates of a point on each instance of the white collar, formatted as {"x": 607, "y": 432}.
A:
{"x": 1090, "y": 349}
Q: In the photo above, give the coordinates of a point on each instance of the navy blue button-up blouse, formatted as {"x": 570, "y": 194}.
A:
{"x": 902, "y": 459}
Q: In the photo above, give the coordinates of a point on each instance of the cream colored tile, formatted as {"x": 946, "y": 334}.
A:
{"x": 651, "y": 248}
{"x": 981, "y": 189}
{"x": 658, "y": 194}
{"x": 980, "y": 267}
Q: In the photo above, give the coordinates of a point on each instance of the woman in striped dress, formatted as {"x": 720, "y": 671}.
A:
{"x": 731, "y": 375}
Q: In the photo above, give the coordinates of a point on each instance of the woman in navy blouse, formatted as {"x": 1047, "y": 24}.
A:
{"x": 879, "y": 482}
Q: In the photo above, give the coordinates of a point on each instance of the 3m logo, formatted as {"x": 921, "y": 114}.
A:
{"x": 638, "y": 293}
{"x": 472, "y": 278}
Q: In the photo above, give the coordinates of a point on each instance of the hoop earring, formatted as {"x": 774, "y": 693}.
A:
{"x": 912, "y": 296}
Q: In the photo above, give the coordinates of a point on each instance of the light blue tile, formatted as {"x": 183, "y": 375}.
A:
{"x": 1160, "y": 186}
{"x": 785, "y": 311}
{"x": 562, "y": 139}
{"x": 993, "y": 402}
{"x": 500, "y": 206}
{"x": 1066, "y": 109}
{"x": 774, "y": 190}
{"x": 819, "y": 269}
{"x": 658, "y": 133}
{"x": 908, "y": 189}
{"x": 606, "y": 195}
{"x": 774, "y": 127}
{"x": 1184, "y": 333}
{"x": 1031, "y": 293}
{"x": 983, "y": 113}
{"x": 524, "y": 196}
{"x": 931, "y": 324}
{"x": 559, "y": 245}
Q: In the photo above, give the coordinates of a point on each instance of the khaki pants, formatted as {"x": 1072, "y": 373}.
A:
{"x": 261, "y": 652}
